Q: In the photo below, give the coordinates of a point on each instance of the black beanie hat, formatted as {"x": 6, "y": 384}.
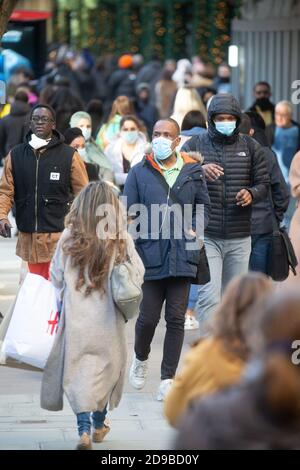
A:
{"x": 71, "y": 134}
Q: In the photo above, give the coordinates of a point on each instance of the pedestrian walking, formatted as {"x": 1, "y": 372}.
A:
{"x": 267, "y": 214}
{"x": 88, "y": 359}
{"x": 83, "y": 120}
{"x": 236, "y": 173}
{"x": 262, "y": 411}
{"x": 127, "y": 149}
{"x": 217, "y": 362}
{"x": 74, "y": 138}
{"x": 41, "y": 177}
{"x": 162, "y": 176}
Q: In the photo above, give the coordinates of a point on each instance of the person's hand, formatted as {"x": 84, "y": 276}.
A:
{"x": 212, "y": 171}
{"x": 5, "y": 228}
{"x": 244, "y": 198}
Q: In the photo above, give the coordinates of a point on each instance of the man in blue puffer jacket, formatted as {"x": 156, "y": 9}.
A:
{"x": 163, "y": 179}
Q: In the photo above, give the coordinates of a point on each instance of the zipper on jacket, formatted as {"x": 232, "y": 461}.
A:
{"x": 36, "y": 187}
{"x": 223, "y": 191}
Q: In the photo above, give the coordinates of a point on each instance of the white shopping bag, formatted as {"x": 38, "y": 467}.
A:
{"x": 34, "y": 322}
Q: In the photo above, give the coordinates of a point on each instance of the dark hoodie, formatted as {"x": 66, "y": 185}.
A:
{"x": 244, "y": 167}
{"x": 42, "y": 184}
{"x": 13, "y": 127}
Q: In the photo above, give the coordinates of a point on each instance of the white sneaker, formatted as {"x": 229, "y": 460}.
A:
{"x": 191, "y": 323}
{"x": 138, "y": 373}
{"x": 163, "y": 389}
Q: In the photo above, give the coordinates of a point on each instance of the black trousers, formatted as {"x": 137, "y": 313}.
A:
{"x": 175, "y": 291}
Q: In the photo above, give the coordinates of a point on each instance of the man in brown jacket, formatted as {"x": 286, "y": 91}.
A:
{"x": 41, "y": 177}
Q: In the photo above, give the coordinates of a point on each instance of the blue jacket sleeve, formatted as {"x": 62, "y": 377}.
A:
{"x": 131, "y": 191}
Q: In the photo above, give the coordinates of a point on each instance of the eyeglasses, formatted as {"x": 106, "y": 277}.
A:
{"x": 42, "y": 119}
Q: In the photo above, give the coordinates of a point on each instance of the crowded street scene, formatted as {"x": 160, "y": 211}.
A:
{"x": 149, "y": 227}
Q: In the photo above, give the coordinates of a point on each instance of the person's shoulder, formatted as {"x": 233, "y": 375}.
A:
{"x": 138, "y": 166}
{"x": 66, "y": 148}
{"x": 18, "y": 149}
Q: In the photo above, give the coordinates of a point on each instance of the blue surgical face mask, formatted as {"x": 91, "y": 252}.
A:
{"x": 162, "y": 148}
{"x": 130, "y": 136}
{"x": 82, "y": 153}
{"x": 225, "y": 127}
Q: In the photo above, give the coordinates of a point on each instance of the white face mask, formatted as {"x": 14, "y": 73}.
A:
{"x": 86, "y": 132}
{"x": 82, "y": 153}
{"x": 37, "y": 143}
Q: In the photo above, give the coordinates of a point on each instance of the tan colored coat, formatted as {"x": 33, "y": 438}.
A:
{"x": 37, "y": 247}
{"x": 88, "y": 358}
{"x": 294, "y": 232}
{"x": 207, "y": 368}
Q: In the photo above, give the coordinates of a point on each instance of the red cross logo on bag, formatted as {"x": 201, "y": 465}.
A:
{"x": 53, "y": 323}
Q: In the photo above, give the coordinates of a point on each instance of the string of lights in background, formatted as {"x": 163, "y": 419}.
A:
{"x": 166, "y": 28}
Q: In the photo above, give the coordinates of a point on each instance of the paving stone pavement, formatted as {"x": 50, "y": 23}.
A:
{"x": 138, "y": 422}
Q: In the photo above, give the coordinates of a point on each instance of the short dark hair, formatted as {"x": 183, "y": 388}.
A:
{"x": 46, "y": 106}
{"x": 257, "y": 121}
{"x": 262, "y": 83}
{"x": 21, "y": 96}
{"x": 172, "y": 121}
{"x": 245, "y": 124}
{"x": 193, "y": 119}
{"x": 71, "y": 134}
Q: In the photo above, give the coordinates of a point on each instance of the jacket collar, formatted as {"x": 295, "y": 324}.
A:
{"x": 185, "y": 157}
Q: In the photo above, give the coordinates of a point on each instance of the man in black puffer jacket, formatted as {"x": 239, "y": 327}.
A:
{"x": 236, "y": 174}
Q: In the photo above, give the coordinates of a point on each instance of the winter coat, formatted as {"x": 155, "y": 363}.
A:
{"x": 13, "y": 127}
{"x": 39, "y": 247}
{"x": 270, "y": 133}
{"x": 186, "y": 135}
{"x": 236, "y": 419}
{"x": 267, "y": 211}
{"x": 294, "y": 232}
{"x": 115, "y": 157}
{"x": 88, "y": 358}
{"x": 166, "y": 257}
{"x": 148, "y": 114}
{"x": 95, "y": 155}
{"x": 121, "y": 82}
{"x": 149, "y": 73}
{"x": 208, "y": 367}
{"x": 243, "y": 169}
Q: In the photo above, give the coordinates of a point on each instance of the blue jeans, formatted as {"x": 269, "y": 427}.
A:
{"x": 84, "y": 421}
{"x": 226, "y": 259}
{"x": 260, "y": 252}
{"x": 193, "y": 296}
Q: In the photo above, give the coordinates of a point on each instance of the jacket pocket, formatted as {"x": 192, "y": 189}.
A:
{"x": 54, "y": 211}
{"x": 150, "y": 252}
{"x": 192, "y": 250}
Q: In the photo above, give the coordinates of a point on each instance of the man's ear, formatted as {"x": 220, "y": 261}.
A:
{"x": 251, "y": 132}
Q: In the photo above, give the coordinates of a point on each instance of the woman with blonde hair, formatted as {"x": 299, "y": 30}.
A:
{"x": 187, "y": 99}
{"x": 217, "y": 361}
{"x": 108, "y": 131}
{"x": 262, "y": 412}
{"x": 88, "y": 359}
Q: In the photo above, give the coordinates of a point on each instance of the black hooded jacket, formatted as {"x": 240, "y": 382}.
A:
{"x": 244, "y": 164}
{"x": 42, "y": 185}
{"x": 13, "y": 127}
